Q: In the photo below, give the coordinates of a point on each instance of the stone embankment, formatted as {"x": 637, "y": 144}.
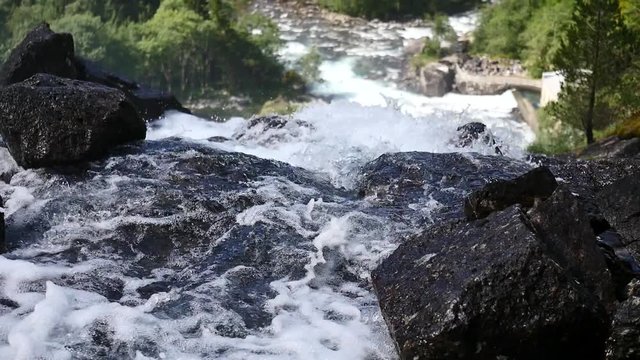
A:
{"x": 467, "y": 75}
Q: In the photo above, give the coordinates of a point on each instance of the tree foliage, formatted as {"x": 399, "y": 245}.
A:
{"x": 530, "y": 30}
{"x": 596, "y": 54}
{"x": 191, "y": 47}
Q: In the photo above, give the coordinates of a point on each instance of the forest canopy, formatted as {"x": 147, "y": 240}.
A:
{"x": 190, "y": 47}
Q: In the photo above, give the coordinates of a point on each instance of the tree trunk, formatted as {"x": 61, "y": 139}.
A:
{"x": 588, "y": 121}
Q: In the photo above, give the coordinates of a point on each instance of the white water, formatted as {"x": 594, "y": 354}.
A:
{"x": 365, "y": 119}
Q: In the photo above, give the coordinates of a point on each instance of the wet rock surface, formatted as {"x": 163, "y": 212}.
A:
{"x": 457, "y": 290}
{"x": 48, "y": 121}
{"x": 474, "y": 132}
{"x": 44, "y": 51}
{"x": 624, "y": 342}
{"x": 490, "y": 288}
{"x": 399, "y": 180}
{"x": 538, "y": 183}
{"x": 192, "y": 211}
{"x": 41, "y": 51}
{"x": 620, "y": 205}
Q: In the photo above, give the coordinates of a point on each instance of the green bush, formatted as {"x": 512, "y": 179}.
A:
{"x": 527, "y": 30}
{"x": 555, "y": 137}
{"x": 191, "y": 47}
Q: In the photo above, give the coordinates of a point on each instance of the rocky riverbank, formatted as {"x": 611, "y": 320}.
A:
{"x": 468, "y": 75}
{"x": 492, "y": 257}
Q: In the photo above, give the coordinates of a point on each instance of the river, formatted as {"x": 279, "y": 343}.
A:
{"x": 236, "y": 239}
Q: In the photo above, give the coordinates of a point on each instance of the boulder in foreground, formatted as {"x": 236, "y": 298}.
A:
{"x": 45, "y": 51}
{"x": 46, "y": 120}
{"x": 498, "y": 288}
{"x": 41, "y": 51}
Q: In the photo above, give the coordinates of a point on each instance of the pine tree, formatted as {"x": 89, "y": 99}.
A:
{"x": 592, "y": 58}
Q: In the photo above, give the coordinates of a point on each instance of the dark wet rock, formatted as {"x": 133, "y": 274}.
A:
{"x": 178, "y": 207}
{"x": 154, "y": 288}
{"x": 218, "y": 139}
{"x": 398, "y": 180}
{"x": 272, "y": 129}
{"x": 334, "y": 270}
{"x": 620, "y": 206}
{"x": 495, "y": 288}
{"x": 268, "y": 122}
{"x": 9, "y": 303}
{"x": 624, "y": 341}
{"x": 562, "y": 224}
{"x": 613, "y": 147}
{"x": 473, "y": 132}
{"x": 44, "y": 51}
{"x": 47, "y": 121}
{"x": 586, "y": 179}
{"x": 538, "y": 183}
{"x": 100, "y": 283}
{"x": 41, "y": 51}
{"x": 621, "y": 263}
{"x": 151, "y": 104}
{"x": 3, "y": 245}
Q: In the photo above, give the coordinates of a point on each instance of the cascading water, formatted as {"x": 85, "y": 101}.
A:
{"x": 234, "y": 240}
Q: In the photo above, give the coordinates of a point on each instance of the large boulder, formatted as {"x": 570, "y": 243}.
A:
{"x": 41, "y": 51}
{"x": 150, "y": 103}
{"x": 508, "y": 286}
{"x": 47, "y": 120}
{"x": 538, "y": 183}
{"x": 620, "y": 206}
{"x": 586, "y": 179}
{"x": 44, "y": 51}
{"x": 624, "y": 341}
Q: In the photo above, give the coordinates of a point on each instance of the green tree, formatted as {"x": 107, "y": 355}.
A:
{"x": 631, "y": 12}
{"x": 498, "y": 33}
{"x": 168, "y": 41}
{"x": 543, "y": 35}
{"x": 593, "y": 57}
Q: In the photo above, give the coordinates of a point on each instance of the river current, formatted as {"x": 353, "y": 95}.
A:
{"x": 236, "y": 239}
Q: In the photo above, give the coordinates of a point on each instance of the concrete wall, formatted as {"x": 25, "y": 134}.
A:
{"x": 527, "y": 111}
{"x": 551, "y": 86}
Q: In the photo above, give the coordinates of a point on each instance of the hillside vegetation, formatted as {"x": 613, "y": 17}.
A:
{"x": 594, "y": 44}
{"x": 191, "y": 47}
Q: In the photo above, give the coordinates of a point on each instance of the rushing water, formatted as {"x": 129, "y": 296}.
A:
{"x": 233, "y": 240}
